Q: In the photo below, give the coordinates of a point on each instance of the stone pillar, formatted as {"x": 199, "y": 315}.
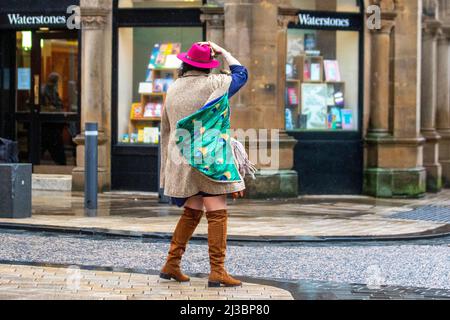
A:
{"x": 96, "y": 24}
{"x": 394, "y": 145}
{"x": 379, "y": 100}
{"x": 443, "y": 103}
{"x": 250, "y": 37}
{"x": 430, "y": 29}
{"x": 213, "y": 17}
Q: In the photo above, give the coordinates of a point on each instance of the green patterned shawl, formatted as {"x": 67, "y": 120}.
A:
{"x": 204, "y": 141}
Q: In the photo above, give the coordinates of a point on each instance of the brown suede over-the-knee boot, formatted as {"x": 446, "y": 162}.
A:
{"x": 217, "y": 242}
{"x": 183, "y": 232}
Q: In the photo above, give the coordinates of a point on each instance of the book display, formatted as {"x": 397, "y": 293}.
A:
{"x": 315, "y": 92}
{"x": 145, "y": 115}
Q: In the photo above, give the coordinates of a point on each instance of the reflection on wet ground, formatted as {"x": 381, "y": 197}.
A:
{"x": 141, "y": 205}
{"x": 331, "y": 216}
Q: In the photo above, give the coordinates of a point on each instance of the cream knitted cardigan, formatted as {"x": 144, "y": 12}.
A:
{"x": 186, "y": 95}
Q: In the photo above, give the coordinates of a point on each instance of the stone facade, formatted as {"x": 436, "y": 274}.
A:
{"x": 96, "y": 24}
{"x": 443, "y": 90}
{"x": 406, "y": 91}
{"x": 394, "y": 166}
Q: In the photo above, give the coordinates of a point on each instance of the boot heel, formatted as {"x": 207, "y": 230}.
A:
{"x": 165, "y": 276}
{"x": 213, "y": 284}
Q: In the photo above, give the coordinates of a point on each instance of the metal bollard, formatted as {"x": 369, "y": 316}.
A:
{"x": 91, "y": 169}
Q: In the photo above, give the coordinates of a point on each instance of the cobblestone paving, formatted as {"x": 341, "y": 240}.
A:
{"x": 406, "y": 265}
{"x": 47, "y": 283}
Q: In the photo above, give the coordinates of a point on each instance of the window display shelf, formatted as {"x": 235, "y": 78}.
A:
{"x": 147, "y": 119}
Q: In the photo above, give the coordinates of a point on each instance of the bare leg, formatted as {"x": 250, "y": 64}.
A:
{"x": 215, "y": 203}
{"x": 195, "y": 203}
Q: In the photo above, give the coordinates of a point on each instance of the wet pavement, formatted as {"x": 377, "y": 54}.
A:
{"x": 299, "y": 245}
{"x": 366, "y": 270}
{"x": 313, "y": 218}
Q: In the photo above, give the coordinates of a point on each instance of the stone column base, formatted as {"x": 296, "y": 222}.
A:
{"x": 434, "y": 178}
{"x": 445, "y": 173}
{"x": 78, "y": 179}
{"x": 390, "y": 183}
{"x": 272, "y": 184}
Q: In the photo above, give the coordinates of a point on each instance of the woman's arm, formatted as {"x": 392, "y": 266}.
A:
{"x": 239, "y": 73}
{"x": 232, "y": 61}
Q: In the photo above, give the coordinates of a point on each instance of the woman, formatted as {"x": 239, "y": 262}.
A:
{"x": 187, "y": 186}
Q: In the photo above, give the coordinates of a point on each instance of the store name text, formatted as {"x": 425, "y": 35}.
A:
{"x": 17, "y": 19}
{"x": 308, "y": 20}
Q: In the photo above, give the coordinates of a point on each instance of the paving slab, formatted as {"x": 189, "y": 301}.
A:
{"x": 72, "y": 287}
{"x": 294, "y": 219}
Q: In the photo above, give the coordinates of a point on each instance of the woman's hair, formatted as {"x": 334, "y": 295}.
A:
{"x": 185, "y": 67}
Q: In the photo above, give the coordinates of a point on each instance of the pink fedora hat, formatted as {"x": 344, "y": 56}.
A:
{"x": 199, "y": 55}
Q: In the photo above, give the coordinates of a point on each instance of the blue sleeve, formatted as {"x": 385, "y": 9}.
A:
{"x": 239, "y": 75}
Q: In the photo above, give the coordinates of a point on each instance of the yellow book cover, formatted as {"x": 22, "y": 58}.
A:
{"x": 168, "y": 49}
{"x": 141, "y": 136}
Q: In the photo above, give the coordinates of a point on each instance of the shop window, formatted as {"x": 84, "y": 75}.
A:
{"x": 23, "y": 73}
{"x": 147, "y": 67}
{"x": 160, "y": 3}
{"x": 329, "y": 5}
{"x": 322, "y": 80}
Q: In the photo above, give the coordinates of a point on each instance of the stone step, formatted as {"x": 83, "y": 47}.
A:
{"x": 52, "y": 182}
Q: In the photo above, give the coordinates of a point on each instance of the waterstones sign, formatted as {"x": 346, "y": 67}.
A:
{"x": 17, "y": 20}
{"x": 327, "y": 20}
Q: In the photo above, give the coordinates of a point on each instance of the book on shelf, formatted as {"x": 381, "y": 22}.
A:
{"x": 162, "y": 85}
{"x": 332, "y": 72}
{"x": 289, "y": 71}
{"x": 347, "y": 119}
{"x": 288, "y": 119}
{"x": 339, "y": 99}
{"x": 140, "y": 136}
{"x": 149, "y": 75}
{"x": 303, "y": 121}
{"x": 145, "y": 87}
{"x": 151, "y": 135}
{"x": 158, "y": 85}
{"x": 314, "y": 105}
{"x": 292, "y": 96}
{"x": 335, "y": 118}
{"x": 134, "y": 138}
{"x": 310, "y": 41}
{"x": 153, "y": 56}
{"x": 172, "y": 62}
{"x": 330, "y": 97}
{"x": 125, "y": 138}
{"x": 307, "y": 71}
{"x": 315, "y": 72}
{"x": 164, "y": 56}
{"x": 152, "y": 110}
{"x": 137, "y": 111}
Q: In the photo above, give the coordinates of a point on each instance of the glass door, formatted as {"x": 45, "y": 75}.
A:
{"x": 7, "y": 54}
{"x": 47, "y": 108}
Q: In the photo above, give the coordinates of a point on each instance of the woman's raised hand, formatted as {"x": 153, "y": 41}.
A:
{"x": 216, "y": 48}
